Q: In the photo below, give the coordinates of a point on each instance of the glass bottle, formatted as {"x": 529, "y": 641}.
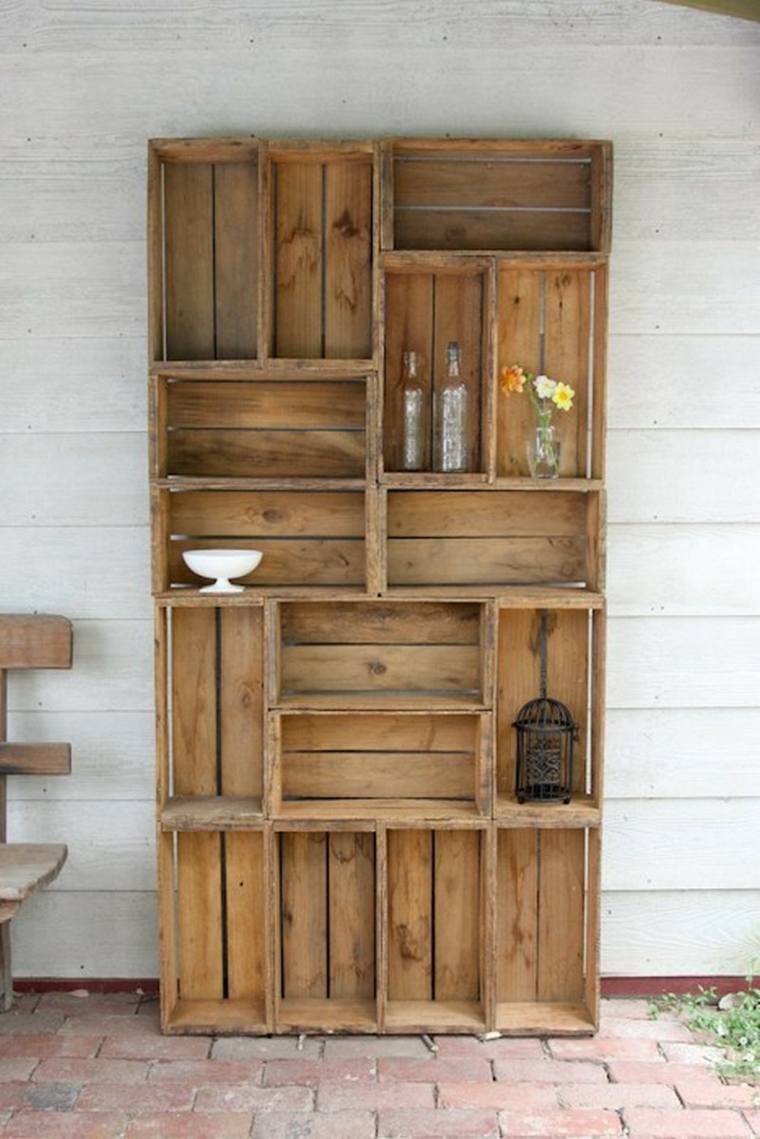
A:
{"x": 452, "y": 415}
{"x": 413, "y": 450}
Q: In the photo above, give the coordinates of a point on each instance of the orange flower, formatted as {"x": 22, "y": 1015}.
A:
{"x": 513, "y": 378}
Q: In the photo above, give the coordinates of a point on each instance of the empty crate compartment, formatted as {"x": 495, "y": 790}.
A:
{"x": 326, "y": 931}
{"x": 322, "y": 253}
{"x": 218, "y": 946}
{"x": 265, "y": 428}
{"x": 206, "y": 253}
{"x": 364, "y": 764}
{"x": 545, "y": 930}
{"x": 493, "y": 196}
{"x": 308, "y": 538}
{"x": 502, "y": 538}
{"x": 215, "y": 705}
{"x": 374, "y": 654}
{"x": 435, "y": 919}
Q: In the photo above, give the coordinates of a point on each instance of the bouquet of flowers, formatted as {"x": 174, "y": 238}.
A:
{"x": 546, "y": 397}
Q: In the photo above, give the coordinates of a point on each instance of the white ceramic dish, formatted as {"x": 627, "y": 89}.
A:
{"x": 222, "y": 565}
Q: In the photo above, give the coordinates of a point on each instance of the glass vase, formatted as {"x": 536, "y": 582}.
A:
{"x": 543, "y": 452}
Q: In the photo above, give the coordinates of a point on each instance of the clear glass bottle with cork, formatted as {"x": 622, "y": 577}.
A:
{"x": 451, "y": 415}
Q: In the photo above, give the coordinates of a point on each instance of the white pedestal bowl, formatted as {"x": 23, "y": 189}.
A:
{"x": 222, "y": 565}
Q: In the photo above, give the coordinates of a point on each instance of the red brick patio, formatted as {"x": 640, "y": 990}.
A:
{"x": 97, "y": 1068}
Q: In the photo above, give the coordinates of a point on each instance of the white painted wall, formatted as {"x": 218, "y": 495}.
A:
{"x": 83, "y": 84}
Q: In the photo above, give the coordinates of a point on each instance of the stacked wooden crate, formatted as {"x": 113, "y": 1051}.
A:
{"x": 341, "y": 847}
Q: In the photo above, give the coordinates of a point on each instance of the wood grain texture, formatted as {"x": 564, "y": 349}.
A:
{"x": 235, "y": 259}
{"x": 246, "y": 917}
{"x": 458, "y": 920}
{"x": 241, "y": 698}
{"x": 410, "y": 915}
{"x": 304, "y": 915}
{"x": 516, "y": 915}
{"x": 34, "y": 641}
{"x": 189, "y": 258}
{"x": 351, "y": 886}
{"x": 298, "y": 253}
{"x": 348, "y": 260}
{"x": 194, "y": 742}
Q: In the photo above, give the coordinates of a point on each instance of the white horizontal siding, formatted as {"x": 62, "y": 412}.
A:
{"x": 84, "y": 85}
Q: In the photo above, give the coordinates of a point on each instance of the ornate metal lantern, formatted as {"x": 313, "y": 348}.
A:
{"x": 546, "y": 735}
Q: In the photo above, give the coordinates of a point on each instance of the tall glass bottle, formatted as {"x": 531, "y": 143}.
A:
{"x": 413, "y": 449}
{"x": 452, "y": 415}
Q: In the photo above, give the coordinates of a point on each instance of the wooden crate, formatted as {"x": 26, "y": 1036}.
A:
{"x": 429, "y": 302}
{"x": 435, "y": 929}
{"x": 495, "y": 195}
{"x": 325, "y": 889}
{"x": 486, "y": 538}
{"x": 320, "y": 250}
{"x": 429, "y": 765}
{"x": 340, "y": 846}
{"x": 380, "y": 654}
{"x": 546, "y": 930}
{"x": 215, "y": 950}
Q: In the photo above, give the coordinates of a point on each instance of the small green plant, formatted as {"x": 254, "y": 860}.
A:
{"x": 735, "y": 1028}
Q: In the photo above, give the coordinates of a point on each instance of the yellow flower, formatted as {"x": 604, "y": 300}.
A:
{"x": 513, "y": 378}
{"x": 563, "y": 397}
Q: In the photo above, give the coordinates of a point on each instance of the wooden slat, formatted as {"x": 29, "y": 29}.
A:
{"x": 298, "y": 563}
{"x": 194, "y": 702}
{"x": 457, "y": 918}
{"x": 548, "y": 1018}
{"x": 35, "y": 759}
{"x": 235, "y": 258}
{"x": 217, "y": 1018}
{"x": 472, "y": 561}
{"x": 483, "y": 514}
{"x": 267, "y": 404}
{"x": 188, "y": 238}
{"x": 241, "y": 699}
{"x": 427, "y": 1016}
{"x": 323, "y": 454}
{"x": 348, "y": 259}
{"x": 245, "y": 892}
{"x": 379, "y": 621}
{"x": 519, "y": 337}
{"x": 351, "y": 732}
{"x": 199, "y": 935}
{"x": 327, "y": 1016}
{"x": 268, "y": 514}
{"x": 298, "y": 252}
{"x": 34, "y": 641}
{"x": 410, "y": 880}
{"x": 27, "y": 867}
{"x": 458, "y": 317}
{"x": 380, "y": 668}
{"x": 560, "y": 916}
{"x": 355, "y": 813}
{"x": 566, "y": 352}
{"x": 351, "y": 887}
{"x": 212, "y": 813}
{"x": 516, "y": 915}
{"x": 519, "y": 680}
{"x": 378, "y": 774}
{"x": 529, "y": 185}
{"x": 408, "y": 328}
{"x": 304, "y": 915}
{"x": 491, "y": 230}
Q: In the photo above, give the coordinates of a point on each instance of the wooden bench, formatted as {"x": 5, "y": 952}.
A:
{"x": 27, "y": 642}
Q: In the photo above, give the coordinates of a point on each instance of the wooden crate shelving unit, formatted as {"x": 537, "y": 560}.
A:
{"x": 340, "y": 847}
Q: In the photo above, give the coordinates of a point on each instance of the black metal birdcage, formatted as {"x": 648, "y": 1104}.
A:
{"x": 546, "y": 736}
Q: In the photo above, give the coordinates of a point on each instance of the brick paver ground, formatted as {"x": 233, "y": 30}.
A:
{"x": 96, "y": 1067}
